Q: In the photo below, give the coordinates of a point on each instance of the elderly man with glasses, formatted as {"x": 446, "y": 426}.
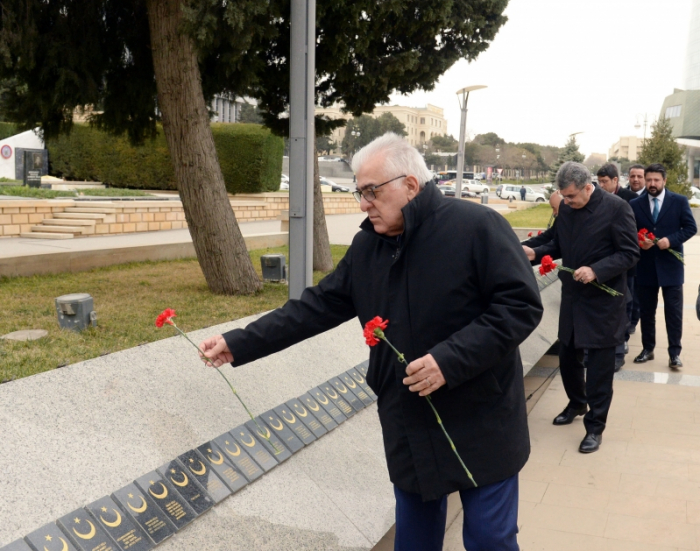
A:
{"x": 460, "y": 295}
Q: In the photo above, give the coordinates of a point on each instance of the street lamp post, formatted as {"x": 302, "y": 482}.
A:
{"x": 463, "y": 97}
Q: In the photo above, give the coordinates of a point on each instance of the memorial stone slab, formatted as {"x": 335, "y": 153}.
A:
{"x": 167, "y": 499}
{"x": 17, "y": 545}
{"x": 316, "y": 409}
{"x": 280, "y": 428}
{"x": 299, "y": 428}
{"x": 85, "y": 534}
{"x": 267, "y": 438}
{"x": 215, "y": 460}
{"x": 126, "y": 534}
{"x": 356, "y": 387}
{"x": 360, "y": 380}
{"x": 326, "y": 403}
{"x": 303, "y": 415}
{"x": 49, "y": 538}
{"x": 363, "y": 367}
{"x": 349, "y": 396}
{"x": 143, "y": 510}
{"x": 195, "y": 495}
{"x": 236, "y": 455}
{"x": 253, "y": 448}
{"x": 337, "y": 399}
{"x": 206, "y": 476}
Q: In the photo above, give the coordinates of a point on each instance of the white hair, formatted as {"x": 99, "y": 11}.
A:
{"x": 399, "y": 157}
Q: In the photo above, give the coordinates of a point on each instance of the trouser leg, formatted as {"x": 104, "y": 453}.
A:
{"x": 634, "y": 318}
{"x": 630, "y": 307}
{"x": 673, "y": 313}
{"x": 491, "y": 516}
{"x": 600, "y": 371}
{"x": 419, "y": 524}
{"x": 648, "y": 301}
{"x": 572, "y": 374}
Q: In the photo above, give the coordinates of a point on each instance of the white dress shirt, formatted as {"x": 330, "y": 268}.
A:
{"x": 660, "y": 197}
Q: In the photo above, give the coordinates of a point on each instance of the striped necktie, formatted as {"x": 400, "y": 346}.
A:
{"x": 655, "y": 214}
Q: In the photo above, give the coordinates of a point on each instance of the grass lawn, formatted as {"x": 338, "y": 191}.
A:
{"x": 38, "y": 193}
{"x": 128, "y": 298}
{"x": 534, "y": 217}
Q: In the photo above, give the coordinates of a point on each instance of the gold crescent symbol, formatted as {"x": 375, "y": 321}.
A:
{"x": 217, "y": 461}
{"x": 140, "y": 509}
{"x": 236, "y": 453}
{"x": 266, "y": 435}
{"x": 64, "y": 548}
{"x": 185, "y": 480}
{"x": 202, "y": 471}
{"x": 338, "y": 385}
{"x": 115, "y": 523}
{"x": 89, "y": 535}
{"x": 312, "y": 408}
{"x": 299, "y": 413}
{"x": 321, "y": 398}
{"x": 290, "y": 421}
{"x": 275, "y": 427}
{"x": 329, "y": 390}
{"x": 360, "y": 380}
{"x": 350, "y": 382}
{"x": 159, "y": 496}
{"x": 252, "y": 442}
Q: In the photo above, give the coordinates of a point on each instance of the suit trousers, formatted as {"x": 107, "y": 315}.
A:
{"x": 490, "y": 519}
{"x": 633, "y": 313}
{"x": 673, "y": 313}
{"x": 593, "y": 387}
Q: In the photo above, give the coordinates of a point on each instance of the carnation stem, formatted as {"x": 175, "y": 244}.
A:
{"x": 260, "y": 430}
{"x": 602, "y": 286}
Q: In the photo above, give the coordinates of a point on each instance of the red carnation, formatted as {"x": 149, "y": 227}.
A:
{"x": 539, "y": 232}
{"x": 547, "y": 265}
{"x": 529, "y": 234}
{"x": 165, "y": 317}
{"x": 373, "y": 329}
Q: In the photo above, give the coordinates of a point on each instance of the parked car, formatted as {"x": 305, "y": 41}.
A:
{"x": 476, "y": 187}
{"x": 334, "y": 186}
{"x": 284, "y": 185}
{"x": 513, "y": 191}
{"x": 447, "y": 190}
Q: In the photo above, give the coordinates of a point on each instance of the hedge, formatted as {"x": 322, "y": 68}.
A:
{"x": 7, "y": 129}
{"x": 249, "y": 155}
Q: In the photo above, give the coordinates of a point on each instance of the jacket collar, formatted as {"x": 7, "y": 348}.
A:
{"x": 594, "y": 201}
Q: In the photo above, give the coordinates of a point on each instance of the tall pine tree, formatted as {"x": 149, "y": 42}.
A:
{"x": 569, "y": 153}
{"x": 662, "y": 148}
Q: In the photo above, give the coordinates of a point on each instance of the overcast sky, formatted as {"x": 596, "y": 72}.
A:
{"x": 563, "y": 66}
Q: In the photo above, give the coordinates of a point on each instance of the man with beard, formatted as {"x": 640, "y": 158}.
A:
{"x": 668, "y": 216}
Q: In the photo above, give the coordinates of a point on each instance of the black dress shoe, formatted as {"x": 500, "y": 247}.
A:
{"x": 644, "y": 356}
{"x": 619, "y": 362}
{"x": 591, "y": 443}
{"x": 567, "y": 416}
{"x": 675, "y": 362}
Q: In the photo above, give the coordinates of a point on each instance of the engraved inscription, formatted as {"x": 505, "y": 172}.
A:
{"x": 175, "y": 510}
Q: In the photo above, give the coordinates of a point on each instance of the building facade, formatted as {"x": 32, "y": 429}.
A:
{"x": 627, "y": 147}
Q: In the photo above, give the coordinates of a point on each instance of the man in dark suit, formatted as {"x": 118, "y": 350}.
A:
{"x": 636, "y": 178}
{"x": 609, "y": 180}
{"x": 595, "y": 236}
{"x": 668, "y": 216}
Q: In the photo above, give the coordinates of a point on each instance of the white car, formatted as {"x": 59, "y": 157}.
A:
{"x": 513, "y": 191}
{"x": 284, "y": 182}
{"x": 476, "y": 187}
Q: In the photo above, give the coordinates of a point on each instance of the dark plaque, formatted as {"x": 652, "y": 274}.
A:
{"x": 118, "y": 525}
{"x": 85, "y": 533}
{"x": 17, "y": 545}
{"x": 355, "y": 387}
{"x": 206, "y": 476}
{"x": 299, "y": 428}
{"x": 33, "y": 163}
{"x": 167, "y": 499}
{"x": 267, "y": 438}
{"x": 253, "y": 448}
{"x": 195, "y": 496}
{"x": 281, "y": 429}
{"x": 143, "y": 510}
{"x": 49, "y": 538}
{"x": 349, "y": 396}
{"x": 238, "y": 456}
{"x": 362, "y": 382}
{"x": 363, "y": 367}
{"x": 214, "y": 459}
{"x": 320, "y": 413}
{"x": 328, "y": 405}
{"x": 337, "y": 399}
{"x": 305, "y": 416}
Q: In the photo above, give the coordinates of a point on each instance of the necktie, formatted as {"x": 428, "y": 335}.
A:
{"x": 655, "y": 214}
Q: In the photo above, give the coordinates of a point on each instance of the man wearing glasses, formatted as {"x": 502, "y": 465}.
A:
{"x": 460, "y": 296}
{"x": 596, "y": 236}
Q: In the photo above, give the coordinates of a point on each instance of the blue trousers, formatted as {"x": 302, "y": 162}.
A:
{"x": 490, "y": 519}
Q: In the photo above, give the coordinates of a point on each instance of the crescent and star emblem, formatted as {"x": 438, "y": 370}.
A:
{"x": 290, "y": 421}
{"x": 312, "y": 407}
{"x": 89, "y": 535}
{"x": 275, "y": 426}
{"x": 236, "y": 453}
{"x": 329, "y": 390}
{"x": 139, "y": 509}
{"x": 321, "y": 398}
{"x": 342, "y": 390}
{"x": 115, "y": 523}
{"x": 65, "y": 545}
{"x": 349, "y": 382}
{"x": 266, "y": 435}
{"x": 200, "y": 472}
{"x": 216, "y": 461}
{"x": 185, "y": 481}
{"x": 159, "y": 496}
{"x": 299, "y": 413}
{"x": 252, "y": 442}
{"x": 360, "y": 380}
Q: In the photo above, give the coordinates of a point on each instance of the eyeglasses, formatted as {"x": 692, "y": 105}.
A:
{"x": 368, "y": 192}
{"x": 571, "y": 197}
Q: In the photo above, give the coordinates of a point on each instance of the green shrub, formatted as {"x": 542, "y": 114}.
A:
{"x": 7, "y": 129}
{"x": 249, "y": 155}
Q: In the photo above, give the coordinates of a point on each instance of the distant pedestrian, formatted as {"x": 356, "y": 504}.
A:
{"x": 523, "y": 191}
{"x": 668, "y": 216}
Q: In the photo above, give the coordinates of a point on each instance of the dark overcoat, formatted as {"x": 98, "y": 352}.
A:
{"x": 456, "y": 285}
{"x": 602, "y": 236}
{"x": 676, "y": 222}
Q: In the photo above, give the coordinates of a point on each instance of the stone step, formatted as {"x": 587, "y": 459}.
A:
{"x": 58, "y": 229}
{"x": 67, "y": 222}
{"x": 43, "y": 235}
{"x": 79, "y": 215}
{"x": 96, "y": 210}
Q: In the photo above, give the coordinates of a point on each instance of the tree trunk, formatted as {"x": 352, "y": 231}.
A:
{"x": 323, "y": 260}
{"x": 217, "y": 239}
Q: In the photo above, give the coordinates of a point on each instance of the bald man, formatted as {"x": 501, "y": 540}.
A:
{"x": 548, "y": 234}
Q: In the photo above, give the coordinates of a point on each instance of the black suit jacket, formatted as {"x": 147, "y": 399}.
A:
{"x": 628, "y": 195}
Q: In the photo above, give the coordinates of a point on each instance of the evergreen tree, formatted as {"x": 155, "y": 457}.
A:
{"x": 569, "y": 153}
{"x": 662, "y": 148}
{"x": 369, "y": 129}
{"x": 249, "y": 113}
